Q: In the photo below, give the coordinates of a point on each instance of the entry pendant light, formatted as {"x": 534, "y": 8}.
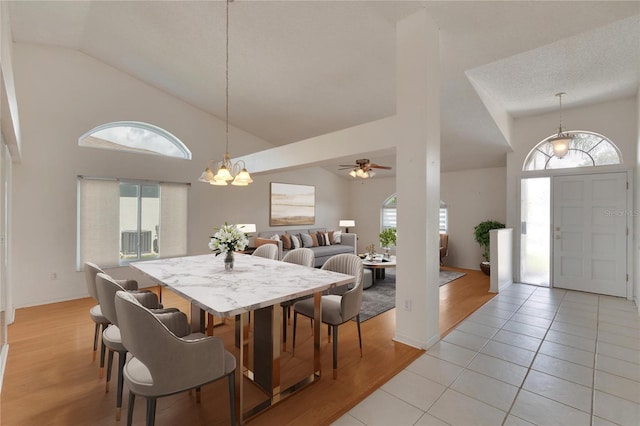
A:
{"x": 226, "y": 171}
{"x": 562, "y": 140}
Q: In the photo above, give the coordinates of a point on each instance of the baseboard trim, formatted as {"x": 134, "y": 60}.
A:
{"x": 418, "y": 344}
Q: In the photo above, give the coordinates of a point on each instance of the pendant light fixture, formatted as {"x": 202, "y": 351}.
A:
{"x": 227, "y": 171}
{"x": 562, "y": 140}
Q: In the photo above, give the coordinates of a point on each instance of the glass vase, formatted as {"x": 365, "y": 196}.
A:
{"x": 228, "y": 261}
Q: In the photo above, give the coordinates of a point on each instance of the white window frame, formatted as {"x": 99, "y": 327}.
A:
{"x": 103, "y": 247}
{"x": 90, "y": 141}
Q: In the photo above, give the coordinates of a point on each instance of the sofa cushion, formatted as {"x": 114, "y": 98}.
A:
{"x": 286, "y": 241}
{"x": 306, "y": 240}
{"x": 261, "y": 241}
{"x": 314, "y": 240}
{"x": 322, "y": 251}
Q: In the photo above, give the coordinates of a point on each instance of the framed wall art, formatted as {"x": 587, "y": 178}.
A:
{"x": 292, "y": 204}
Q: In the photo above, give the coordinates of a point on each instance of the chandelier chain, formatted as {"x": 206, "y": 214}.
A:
{"x": 227, "y": 82}
{"x": 559, "y": 95}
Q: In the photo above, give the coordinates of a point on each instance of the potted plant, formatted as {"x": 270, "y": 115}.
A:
{"x": 481, "y": 234}
{"x": 387, "y": 239}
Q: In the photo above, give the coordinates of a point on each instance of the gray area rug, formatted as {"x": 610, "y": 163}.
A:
{"x": 382, "y": 295}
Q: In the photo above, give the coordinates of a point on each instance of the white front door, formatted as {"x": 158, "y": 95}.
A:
{"x": 590, "y": 233}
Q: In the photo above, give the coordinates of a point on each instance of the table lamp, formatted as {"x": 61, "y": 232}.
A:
{"x": 347, "y": 224}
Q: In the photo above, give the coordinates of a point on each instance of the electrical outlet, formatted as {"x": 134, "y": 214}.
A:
{"x": 407, "y": 305}
{"x": 54, "y": 275}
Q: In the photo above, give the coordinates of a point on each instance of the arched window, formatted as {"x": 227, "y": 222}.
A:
{"x": 586, "y": 149}
{"x": 137, "y": 137}
{"x": 389, "y": 214}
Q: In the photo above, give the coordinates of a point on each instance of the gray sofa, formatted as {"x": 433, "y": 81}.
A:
{"x": 322, "y": 253}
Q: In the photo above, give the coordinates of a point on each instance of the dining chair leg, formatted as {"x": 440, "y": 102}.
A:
{"x": 132, "y": 401}
{"x": 295, "y": 322}
{"x": 109, "y": 366}
{"x": 151, "y": 411}
{"x": 359, "y": 334}
{"x": 232, "y": 396}
{"x": 103, "y": 349}
{"x": 95, "y": 341}
{"x": 122, "y": 357}
{"x": 335, "y": 351}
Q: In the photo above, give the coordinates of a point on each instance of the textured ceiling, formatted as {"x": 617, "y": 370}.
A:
{"x": 299, "y": 69}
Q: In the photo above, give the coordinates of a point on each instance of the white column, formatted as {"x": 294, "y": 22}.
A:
{"x": 418, "y": 180}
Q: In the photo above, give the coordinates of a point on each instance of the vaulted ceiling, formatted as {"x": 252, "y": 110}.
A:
{"x": 304, "y": 68}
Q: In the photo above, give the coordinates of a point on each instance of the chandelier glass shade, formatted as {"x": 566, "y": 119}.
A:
{"x": 226, "y": 171}
{"x": 359, "y": 172}
{"x": 561, "y": 141}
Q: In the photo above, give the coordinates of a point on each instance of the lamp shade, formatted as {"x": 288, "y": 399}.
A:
{"x": 247, "y": 228}
{"x": 560, "y": 145}
{"x": 347, "y": 223}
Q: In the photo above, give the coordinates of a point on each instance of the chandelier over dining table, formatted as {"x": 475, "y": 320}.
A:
{"x": 226, "y": 171}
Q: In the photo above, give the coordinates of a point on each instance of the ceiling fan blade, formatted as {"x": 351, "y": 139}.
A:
{"x": 377, "y": 166}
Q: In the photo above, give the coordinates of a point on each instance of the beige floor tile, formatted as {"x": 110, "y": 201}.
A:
{"x": 618, "y": 367}
{"x": 573, "y": 372}
{"x": 448, "y": 409}
{"x": 498, "y": 369}
{"x": 435, "y": 369}
{"x": 452, "y": 353}
{"x": 382, "y": 408}
{"x": 618, "y": 386}
{"x": 543, "y": 411}
{"x": 483, "y": 388}
{"x": 563, "y": 391}
{"x": 414, "y": 389}
{"x": 614, "y": 409}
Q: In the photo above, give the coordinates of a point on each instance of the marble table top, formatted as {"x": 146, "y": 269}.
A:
{"x": 254, "y": 283}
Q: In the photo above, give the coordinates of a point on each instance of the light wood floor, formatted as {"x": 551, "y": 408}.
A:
{"x": 50, "y": 378}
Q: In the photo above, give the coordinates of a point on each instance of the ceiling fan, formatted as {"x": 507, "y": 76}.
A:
{"x": 363, "y": 168}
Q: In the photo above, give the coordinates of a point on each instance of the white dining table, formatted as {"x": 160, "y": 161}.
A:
{"x": 256, "y": 285}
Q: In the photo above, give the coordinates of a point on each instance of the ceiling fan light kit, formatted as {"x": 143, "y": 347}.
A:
{"x": 362, "y": 168}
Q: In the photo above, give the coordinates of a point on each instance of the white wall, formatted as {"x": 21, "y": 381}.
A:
{"x": 636, "y": 218}
{"x": 617, "y": 120}
{"x": 64, "y": 93}
{"x": 472, "y": 196}
{"x": 367, "y": 196}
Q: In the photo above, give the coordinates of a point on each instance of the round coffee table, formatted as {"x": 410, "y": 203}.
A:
{"x": 378, "y": 266}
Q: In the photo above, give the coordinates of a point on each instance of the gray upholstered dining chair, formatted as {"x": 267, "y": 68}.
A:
{"x": 340, "y": 305}
{"x": 269, "y": 251}
{"x": 163, "y": 363}
{"x": 300, "y": 256}
{"x": 106, "y": 288}
{"x": 90, "y": 272}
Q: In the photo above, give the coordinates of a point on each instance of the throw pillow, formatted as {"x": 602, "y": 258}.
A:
{"x": 314, "y": 240}
{"x": 275, "y": 237}
{"x": 295, "y": 242}
{"x": 286, "y": 241}
{"x": 327, "y": 240}
{"x": 320, "y": 237}
{"x": 261, "y": 241}
{"x": 331, "y": 237}
{"x": 306, "y": 240}
{"x": 337, "y": 237}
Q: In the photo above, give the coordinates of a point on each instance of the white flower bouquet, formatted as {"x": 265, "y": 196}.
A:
{"x": 228, "y": 239}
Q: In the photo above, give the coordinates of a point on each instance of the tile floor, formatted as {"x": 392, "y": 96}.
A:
{"x": 531, "y": 355}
